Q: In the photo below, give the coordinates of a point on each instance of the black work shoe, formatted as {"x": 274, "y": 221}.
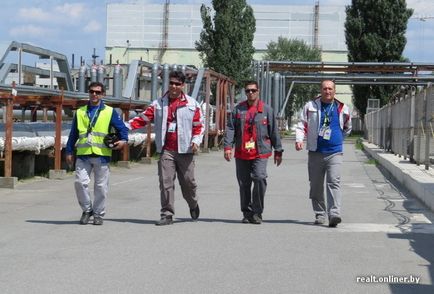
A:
{"x": 165, "y": 220}
{"x": 195, "y": 212}
{"x": 97, "y": 220}
{"x": 334, "y": 221}
{"x": 245, "y": 220}
{"x": 255, "y": 219}
{"x": 85, "y": 216}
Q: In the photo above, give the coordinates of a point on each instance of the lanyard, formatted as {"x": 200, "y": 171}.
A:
{"x": 327, "y": 117}
{"x": 251, "y": 121}
{"x": 92, "y": 121}
{"x": 176, "y": 104}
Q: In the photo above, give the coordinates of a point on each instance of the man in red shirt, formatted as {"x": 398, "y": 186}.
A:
{"x": 253, "y": 129}
{"x": 178, "y": 130}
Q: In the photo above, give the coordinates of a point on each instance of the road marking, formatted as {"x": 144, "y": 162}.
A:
{"x": 355, "y": 185}
{"x": 386, "y": 228}
{"x": 127, "y": 181}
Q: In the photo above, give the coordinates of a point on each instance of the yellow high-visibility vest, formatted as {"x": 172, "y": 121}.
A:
{"x": 93, "y": 142}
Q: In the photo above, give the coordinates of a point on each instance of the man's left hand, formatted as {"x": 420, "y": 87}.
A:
{"x": 277, "y": 158}
{"x": 194, "y": 147}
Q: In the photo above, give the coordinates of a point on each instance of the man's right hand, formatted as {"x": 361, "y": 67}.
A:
{"x": 69, "y": 159}
{"x": 298, "y": 146}
{"x": 228, "y": 155}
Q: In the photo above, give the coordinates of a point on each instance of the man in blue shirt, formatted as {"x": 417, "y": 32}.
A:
{"x": 325, "y": 121}
{"x": 90, "y": 125}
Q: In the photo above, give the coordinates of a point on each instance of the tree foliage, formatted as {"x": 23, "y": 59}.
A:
{"x": 294, "y": 50}
{"x": 375, "y": 32}
{"x": 225, "y": 43}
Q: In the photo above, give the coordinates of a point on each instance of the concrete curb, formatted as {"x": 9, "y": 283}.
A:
{"x": 416, "y": 179}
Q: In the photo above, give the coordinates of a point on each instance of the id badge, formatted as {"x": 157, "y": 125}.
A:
{"x": 89, "y": 139}
{"x": 172, "y": 127}
{"x": 327, "y": 134}
{"x": 250, "y": 145}
{"x": 321, "y": 132}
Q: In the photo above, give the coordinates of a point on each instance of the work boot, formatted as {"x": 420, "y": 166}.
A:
{"x": 255, "y": 219}
{"x": 97, "y": 220}
{"x": 85, "y": 216}
{"x": 195, "y": 212}
{"x": 334, "y": 221}
{"x": 319, "y": 219}
{"x": 164, "y": 221}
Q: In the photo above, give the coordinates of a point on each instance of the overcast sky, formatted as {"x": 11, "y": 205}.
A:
{"x": 78, "y": 26}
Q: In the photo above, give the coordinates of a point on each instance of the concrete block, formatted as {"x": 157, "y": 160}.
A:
{"x": 204, "y": 150}
{"x": 57, "y": 174}
{"x": 8, "y": 182}
{"x": 146, "y": 160}
{"x": 215, "y": 148}
{"x": 123, "y": 163}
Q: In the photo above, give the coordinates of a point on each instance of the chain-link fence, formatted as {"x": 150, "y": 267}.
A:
{"x": 405, "y": 125}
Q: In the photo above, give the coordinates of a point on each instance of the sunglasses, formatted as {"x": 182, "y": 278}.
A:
{"x": 251, "y": 91}
{"x": 95, "y": 92}
{"x": 175, "y": 83}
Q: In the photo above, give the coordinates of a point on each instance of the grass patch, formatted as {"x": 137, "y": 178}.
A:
{"x": 371, "y": 161}
{"x": 359, "y": 144}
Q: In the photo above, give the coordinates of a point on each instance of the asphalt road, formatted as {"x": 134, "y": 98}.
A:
{"x": 385, "y": 234}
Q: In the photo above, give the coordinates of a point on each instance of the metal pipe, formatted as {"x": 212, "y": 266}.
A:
{"x": 154, "y": 81}
{"x": 93, "y": 73}
{"x": 117, "y": 81}
{"x": 82, "y": 79}
{"x": 165, "y": 78}
{"x": 276, "y": 90}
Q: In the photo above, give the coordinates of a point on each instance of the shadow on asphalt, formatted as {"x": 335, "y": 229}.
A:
{"x": 52, "y": 222}
{"x": 238, "y": 221}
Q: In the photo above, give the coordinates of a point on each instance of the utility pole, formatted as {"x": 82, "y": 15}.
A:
{"x": 316, "y": 25}
{"x": 165, "y": 32}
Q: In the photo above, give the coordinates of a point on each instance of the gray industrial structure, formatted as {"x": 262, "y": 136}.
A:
{"x": 167, "y": 32}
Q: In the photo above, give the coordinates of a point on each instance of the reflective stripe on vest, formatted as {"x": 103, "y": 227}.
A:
{"x": 97, "y": 134}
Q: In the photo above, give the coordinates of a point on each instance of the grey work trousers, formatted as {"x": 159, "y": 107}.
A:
{"x": 170, "y": 165}
{"x": 101, "y": 171}
{"x": 325, "y": 165}
{"x": 248, "y": 171}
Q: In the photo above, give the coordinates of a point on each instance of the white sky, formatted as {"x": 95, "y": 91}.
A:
{"x": 78, "y": 26}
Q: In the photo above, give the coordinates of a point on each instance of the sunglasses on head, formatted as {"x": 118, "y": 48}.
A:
{"x": 175, "y": 83}
{"x": 95, "y": 92}
{"x": 251, "y": 91}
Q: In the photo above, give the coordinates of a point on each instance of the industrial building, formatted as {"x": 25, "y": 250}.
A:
{"x": 166, "y": 33}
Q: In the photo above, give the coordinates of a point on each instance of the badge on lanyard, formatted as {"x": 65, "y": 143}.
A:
{"x": 172, "y": 127}
{"x": 89, "y": 138}
{"x": 327, "y": 133}
{"x": 250, "y": 144}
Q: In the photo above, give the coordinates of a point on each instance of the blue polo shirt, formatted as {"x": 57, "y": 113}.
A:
{"x": 334, "y": 144}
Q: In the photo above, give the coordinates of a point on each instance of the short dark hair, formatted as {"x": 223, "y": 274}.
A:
{"x": 97, "y": 84}
{"x": 179, "y": 75}
{"x": 246, "y": 83}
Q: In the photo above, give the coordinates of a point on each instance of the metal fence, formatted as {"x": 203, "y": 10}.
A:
{"x": 405, "y": 125}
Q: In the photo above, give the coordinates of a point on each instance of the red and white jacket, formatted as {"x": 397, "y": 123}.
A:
{"x": 310, "y": 120}
{"x": 190, "y": 127}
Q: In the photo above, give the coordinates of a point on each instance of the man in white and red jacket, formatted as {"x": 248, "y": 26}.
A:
{"x": 178, "y": 128}
{"x": 325, "y": 122}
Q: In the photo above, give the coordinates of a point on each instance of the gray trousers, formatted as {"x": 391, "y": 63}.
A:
{"x": 328, "y": 166}
{"x": 248, "y": 171}
{"x": 101, "y": 171}
{"x": 170, "y": 165}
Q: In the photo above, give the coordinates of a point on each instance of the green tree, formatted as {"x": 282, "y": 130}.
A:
{"x": 375, "y": 32}
{"x": 225, "y": 43}
{"x": 294, "y": 50}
